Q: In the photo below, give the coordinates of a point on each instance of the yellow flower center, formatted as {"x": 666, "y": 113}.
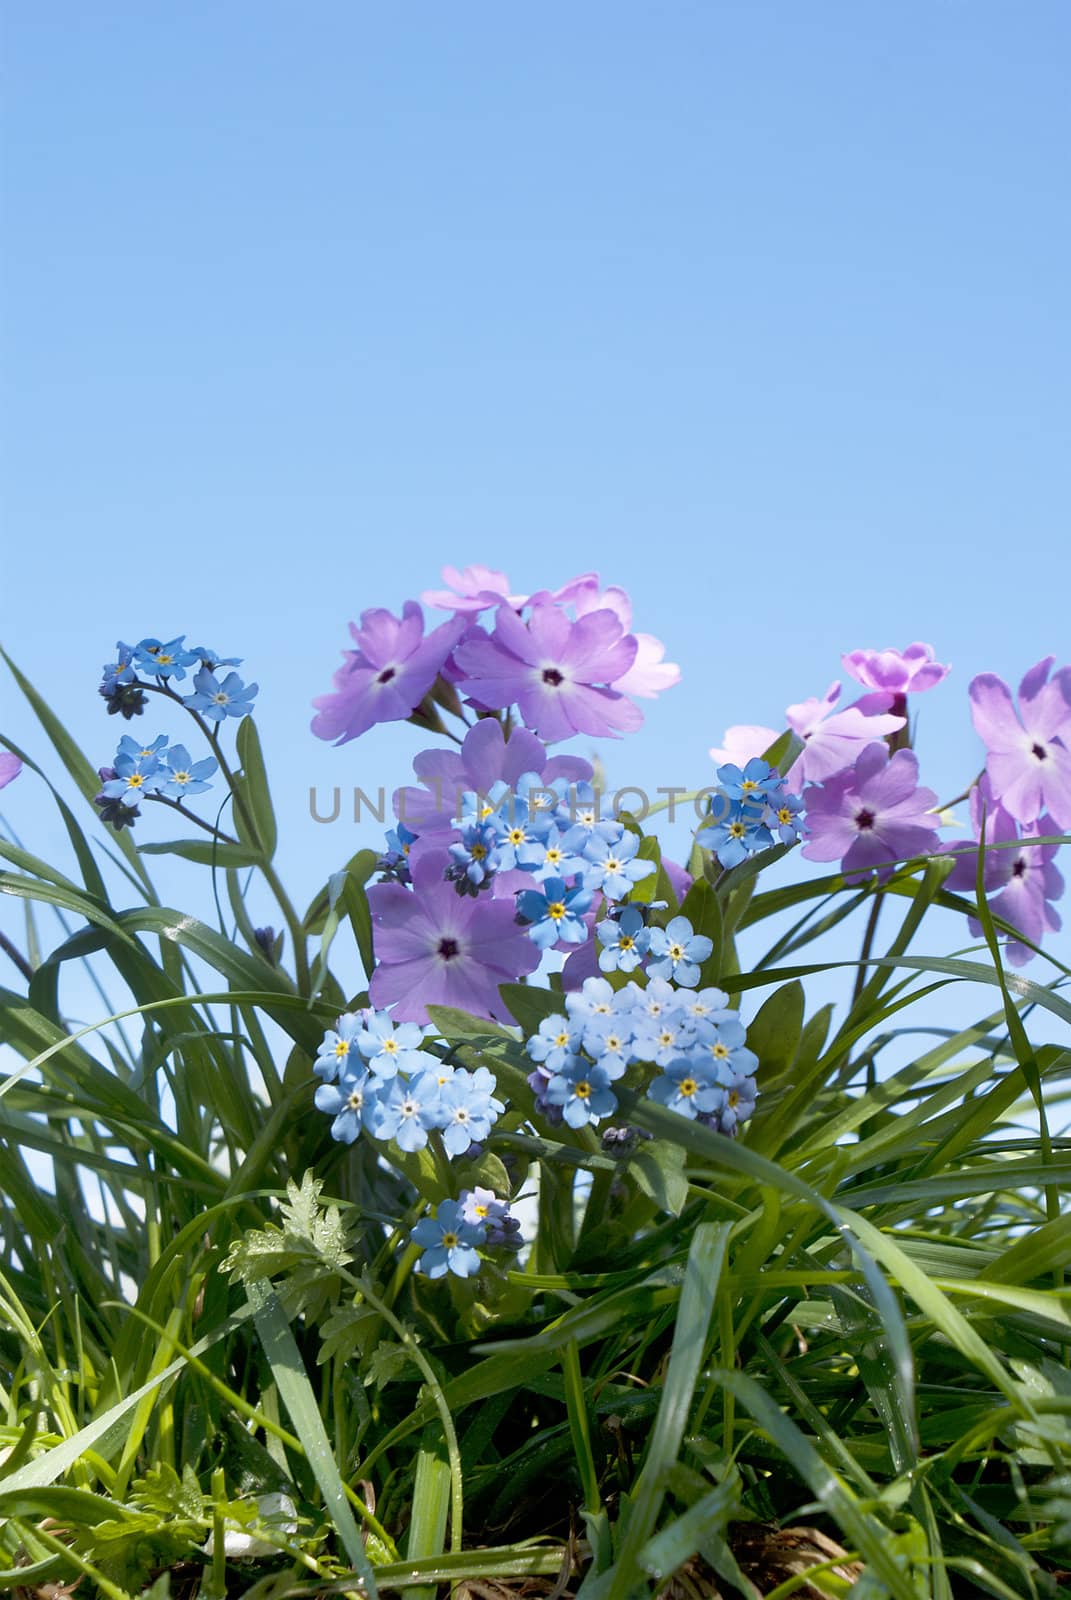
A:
{"x": 583, "y": 1090}
{"x": 478, "y": 852}
{"x": 135, "y": 780}
{"x": 626, "y": 941}
{"x": 342, "y": 1048}
{"x": 677, "y": 951}
{"x": 449, "y": 1240}
{"x": 688, "y": 1087}
{"x": 737, "y": 830}
{"x": 556, "y": 911}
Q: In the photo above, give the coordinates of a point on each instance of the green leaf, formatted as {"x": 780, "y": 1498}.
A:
{"x": 82, "y": 771}
{"x": 776, "y": 1031}
{"x": 431, "y": 1507}
{"x": 706, "y": 1261}
{"x": 297, "y": 1395}
{"x": 206, "y": 852}
{"x": 529, "y": 1004}
{"x": 355, "y": 901}
{"x": 862, "y": 1530}
{"x": 254, "y": 792}
{"x": 658, "y": 1168}
{"x": 703, "y": 910}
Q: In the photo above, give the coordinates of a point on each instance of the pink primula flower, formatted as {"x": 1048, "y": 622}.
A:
{"x": 833, "y": 739}
{"x": 907, "y": 671}
{"x": 387, "y": 676}
{"x": 871, "y": 815}
{"x": 1029, "y": 760}
{"x": 558, "y": 672}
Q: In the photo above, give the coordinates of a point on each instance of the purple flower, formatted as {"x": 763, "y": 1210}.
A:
{"x": 1026, "y": 900}
{"x": 472, "y": 589}
{"x": 10, "y": 767}
{"x": 1000, "y": 828}
{"x": 896, "y": 672}
{"x": 680, "y": 879}
{"x": 743, "y": 742}
{"x": 436, "y": 947}
{"x": 649, "y": 674}
{"x": 871, "y": 815}
{"x": 831, "y": 743}
{"x": 485, "y": 759}
{"x": 387, "y": 676}
{"x": 558, "y": 672}
{"x": 1021, "y": 884}
{"x": 1029, "y": 761}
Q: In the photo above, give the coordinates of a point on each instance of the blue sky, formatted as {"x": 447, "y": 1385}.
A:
{"x": 758, "y": 309}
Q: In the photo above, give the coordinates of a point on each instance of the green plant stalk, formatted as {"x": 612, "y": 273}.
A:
{"x": 274, "y": 882}
{"x": 579, "y": 1427}
{"x": 457, "y": 1488}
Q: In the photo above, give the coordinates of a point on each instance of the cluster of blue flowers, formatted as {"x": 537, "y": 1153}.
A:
{"x": 452, "y": 1237}
{"x": 690, "y": 1036}
{"x": 393, "y": 864}
{"x": 149, "y": 771}
{"x": 750, "y": 811}
{"x": 167, "y": 662}
{"x": 556, "y": 833}
{"x": 379, "y": 1079}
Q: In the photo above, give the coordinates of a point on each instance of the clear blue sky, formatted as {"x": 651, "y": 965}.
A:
{"x": 759, "y": 309}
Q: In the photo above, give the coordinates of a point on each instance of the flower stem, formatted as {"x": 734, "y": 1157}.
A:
{"x": 16, "y": 956}
{"x": 297, "y": 938}
{"x": 191, "y": 816}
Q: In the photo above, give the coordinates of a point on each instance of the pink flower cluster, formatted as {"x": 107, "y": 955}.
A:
{"x": 566, "y": 659}
{"x": 860, "y": 787}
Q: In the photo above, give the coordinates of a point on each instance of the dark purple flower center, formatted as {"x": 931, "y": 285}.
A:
{"x": 448, "y": 949}
{"x": 552, "y": 676}
{"x": 1019, "y": 869}
{"x": 1039, "y": 752}
{"x": 386, "y": 675}
{"x": 864, "y": 818}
